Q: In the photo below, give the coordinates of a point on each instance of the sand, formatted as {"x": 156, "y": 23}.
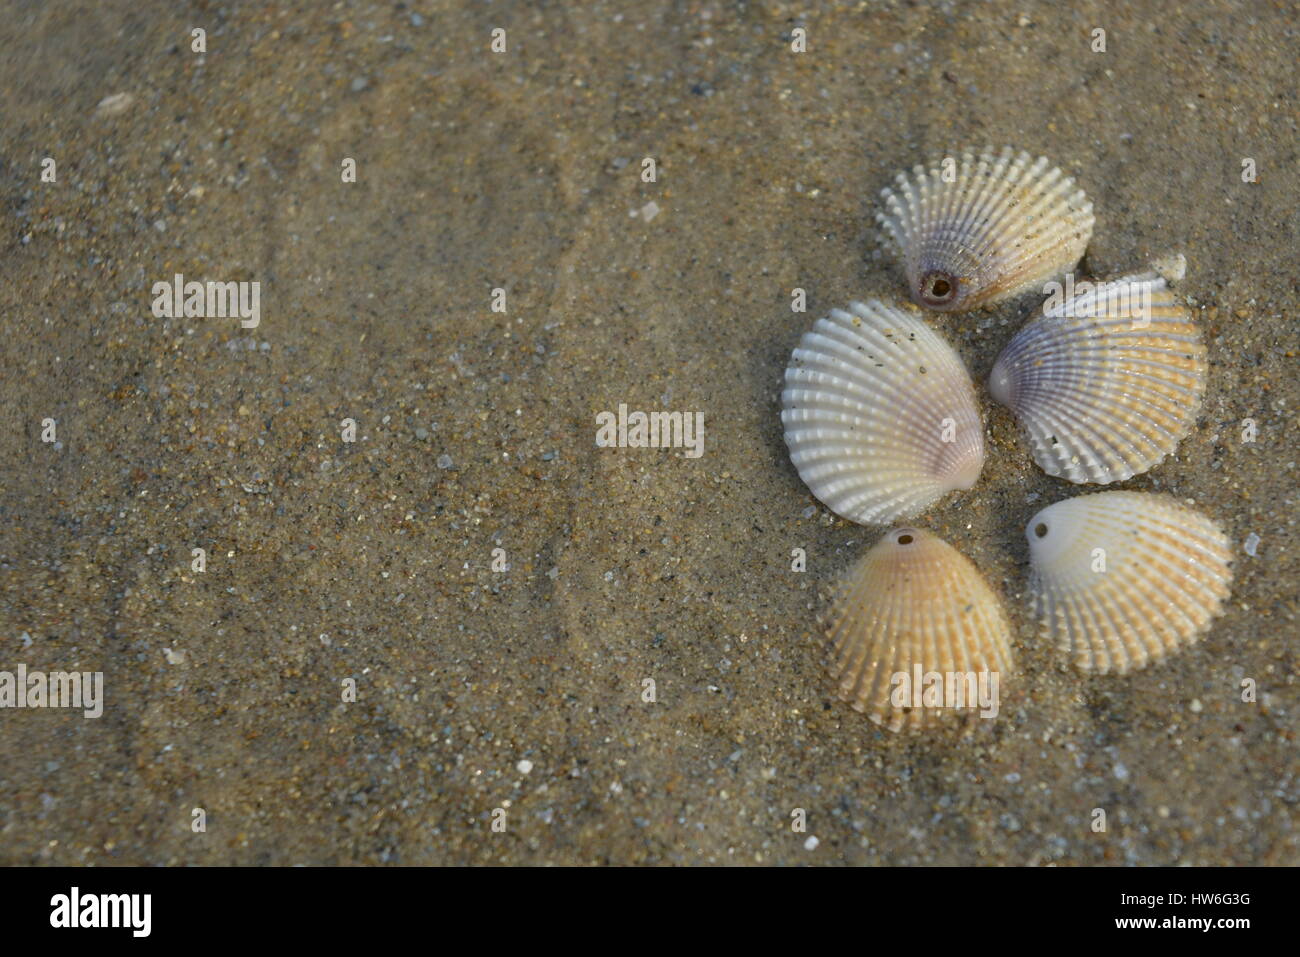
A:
{"x": 517, "y": 696}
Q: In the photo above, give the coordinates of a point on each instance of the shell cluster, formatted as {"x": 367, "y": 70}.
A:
{"x": 882, "y": 422}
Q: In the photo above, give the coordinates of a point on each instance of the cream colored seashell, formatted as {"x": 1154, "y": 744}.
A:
{"x": 1121, "y": 579}
{"x": 880, "y": 414}
{"x": 1001, "y": 225}
{"x": 1105, "y": 383}
{"x": 915, "y": 606}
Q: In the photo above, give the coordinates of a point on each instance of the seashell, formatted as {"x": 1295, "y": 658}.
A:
{"x": 1107, "y": 381}
{"x": 880, "y": 414}
{"x": 1003, "y": 224}
{"x": 1121, "y": 579}
{"x": 914, "y": 606}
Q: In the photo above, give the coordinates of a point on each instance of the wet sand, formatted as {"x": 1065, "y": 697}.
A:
{"x": 372, "y": 560}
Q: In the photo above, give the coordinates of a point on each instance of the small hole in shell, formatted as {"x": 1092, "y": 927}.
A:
{"x": 905, "y": 539}
{"x": 1040, "y": 530}
{"x": 938, "y": 288}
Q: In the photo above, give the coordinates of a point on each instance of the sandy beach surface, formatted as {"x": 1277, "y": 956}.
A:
{"x": 516, "y": 694}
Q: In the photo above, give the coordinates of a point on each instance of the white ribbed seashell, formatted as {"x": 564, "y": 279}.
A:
{"x": 914, "y": 606}
{"x": 1121, "y": 579}
{"x": 976, "y": 231}
{"x": 1105, "y": 383}
{"x": 880, "y": 414}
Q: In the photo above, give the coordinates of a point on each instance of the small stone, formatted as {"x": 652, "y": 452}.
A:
{"x": 417, "y": 20}
{"x": 1251, "y": 543}
{"x": 811, "y": 843}
{"x": 1121, "y": 772}
{"x": 1172, "y": 266}
{"x": 524, "y": 766}
{"x": 115, "y": 104}
{"x": 444, "y": 461}
{"x": 421, "y": 433}
{"x": 1195, "y": 706}
{"x": 359, "y": 84}
{"x": 649, "y": 211}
